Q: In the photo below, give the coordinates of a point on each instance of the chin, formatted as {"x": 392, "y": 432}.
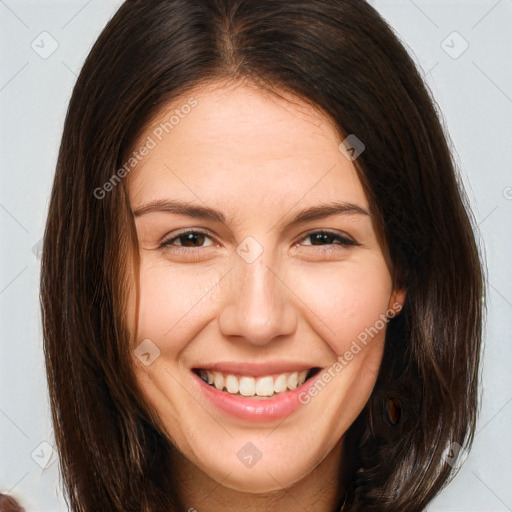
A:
{"x": 265, "y": 480}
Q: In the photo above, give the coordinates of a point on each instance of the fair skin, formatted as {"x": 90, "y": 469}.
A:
{"x": 260, "y": 160}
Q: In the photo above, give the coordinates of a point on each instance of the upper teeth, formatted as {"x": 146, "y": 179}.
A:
{"x": 250, "y": 386}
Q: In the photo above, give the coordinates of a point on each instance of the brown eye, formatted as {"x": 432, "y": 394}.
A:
{"x": 191, "y": 239}
{"x": 328, "y": 238}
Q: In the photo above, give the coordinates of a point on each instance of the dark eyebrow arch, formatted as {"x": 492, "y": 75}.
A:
{"x": 181, "y": 208}
{"x": 326, "y": 210}
{"x": 206, "y": 213}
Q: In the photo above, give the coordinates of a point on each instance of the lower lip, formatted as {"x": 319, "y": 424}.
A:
{"x": 254, "y": 409}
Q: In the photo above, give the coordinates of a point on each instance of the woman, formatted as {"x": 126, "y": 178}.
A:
{"x": 260, "y": 284}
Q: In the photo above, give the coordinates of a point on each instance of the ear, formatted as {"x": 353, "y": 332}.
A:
{"x": 396, "y": 301}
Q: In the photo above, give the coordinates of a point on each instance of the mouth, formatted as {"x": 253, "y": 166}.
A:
{"x": 257, "y": 387}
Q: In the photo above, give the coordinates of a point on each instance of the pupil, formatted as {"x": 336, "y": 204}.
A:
{"x": 190, "y": 239}
{"x": 321, "y": 237}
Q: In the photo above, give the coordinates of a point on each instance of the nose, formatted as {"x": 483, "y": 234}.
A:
{"x": 257, "y": 302}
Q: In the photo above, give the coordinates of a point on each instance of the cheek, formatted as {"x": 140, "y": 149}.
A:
{"x": 340, "y": 302}
{"x": 347, "y": 301}
{"x": 172, "y": 300}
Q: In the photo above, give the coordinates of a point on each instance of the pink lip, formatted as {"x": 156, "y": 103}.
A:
{"x": 254, "y": 409}
{"x": 255, "y": 369}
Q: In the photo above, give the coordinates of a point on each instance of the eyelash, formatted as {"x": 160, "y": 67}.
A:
{"x": 343, "y": 241}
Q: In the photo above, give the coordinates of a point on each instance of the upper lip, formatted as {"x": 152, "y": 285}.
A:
{"x": 256, "y": 369}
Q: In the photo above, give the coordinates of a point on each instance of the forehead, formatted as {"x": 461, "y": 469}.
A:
{"x": 241, "y": 144}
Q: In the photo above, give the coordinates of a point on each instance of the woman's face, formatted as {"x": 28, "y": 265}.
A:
{"x": 249, "y": 280}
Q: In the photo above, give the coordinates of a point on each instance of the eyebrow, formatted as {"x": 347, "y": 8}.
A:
{"x": 207, "y": 213}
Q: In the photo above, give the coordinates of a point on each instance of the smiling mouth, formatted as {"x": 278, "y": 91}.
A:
{"x": 247, "y": 386}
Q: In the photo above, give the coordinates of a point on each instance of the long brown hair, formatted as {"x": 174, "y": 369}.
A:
{"x": 343, "y": 58}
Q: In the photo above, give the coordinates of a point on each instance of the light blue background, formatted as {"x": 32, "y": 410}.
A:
{"x": 474, "y": 93}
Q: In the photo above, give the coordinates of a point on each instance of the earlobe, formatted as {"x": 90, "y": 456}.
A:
{"x": 396, "y": 301}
